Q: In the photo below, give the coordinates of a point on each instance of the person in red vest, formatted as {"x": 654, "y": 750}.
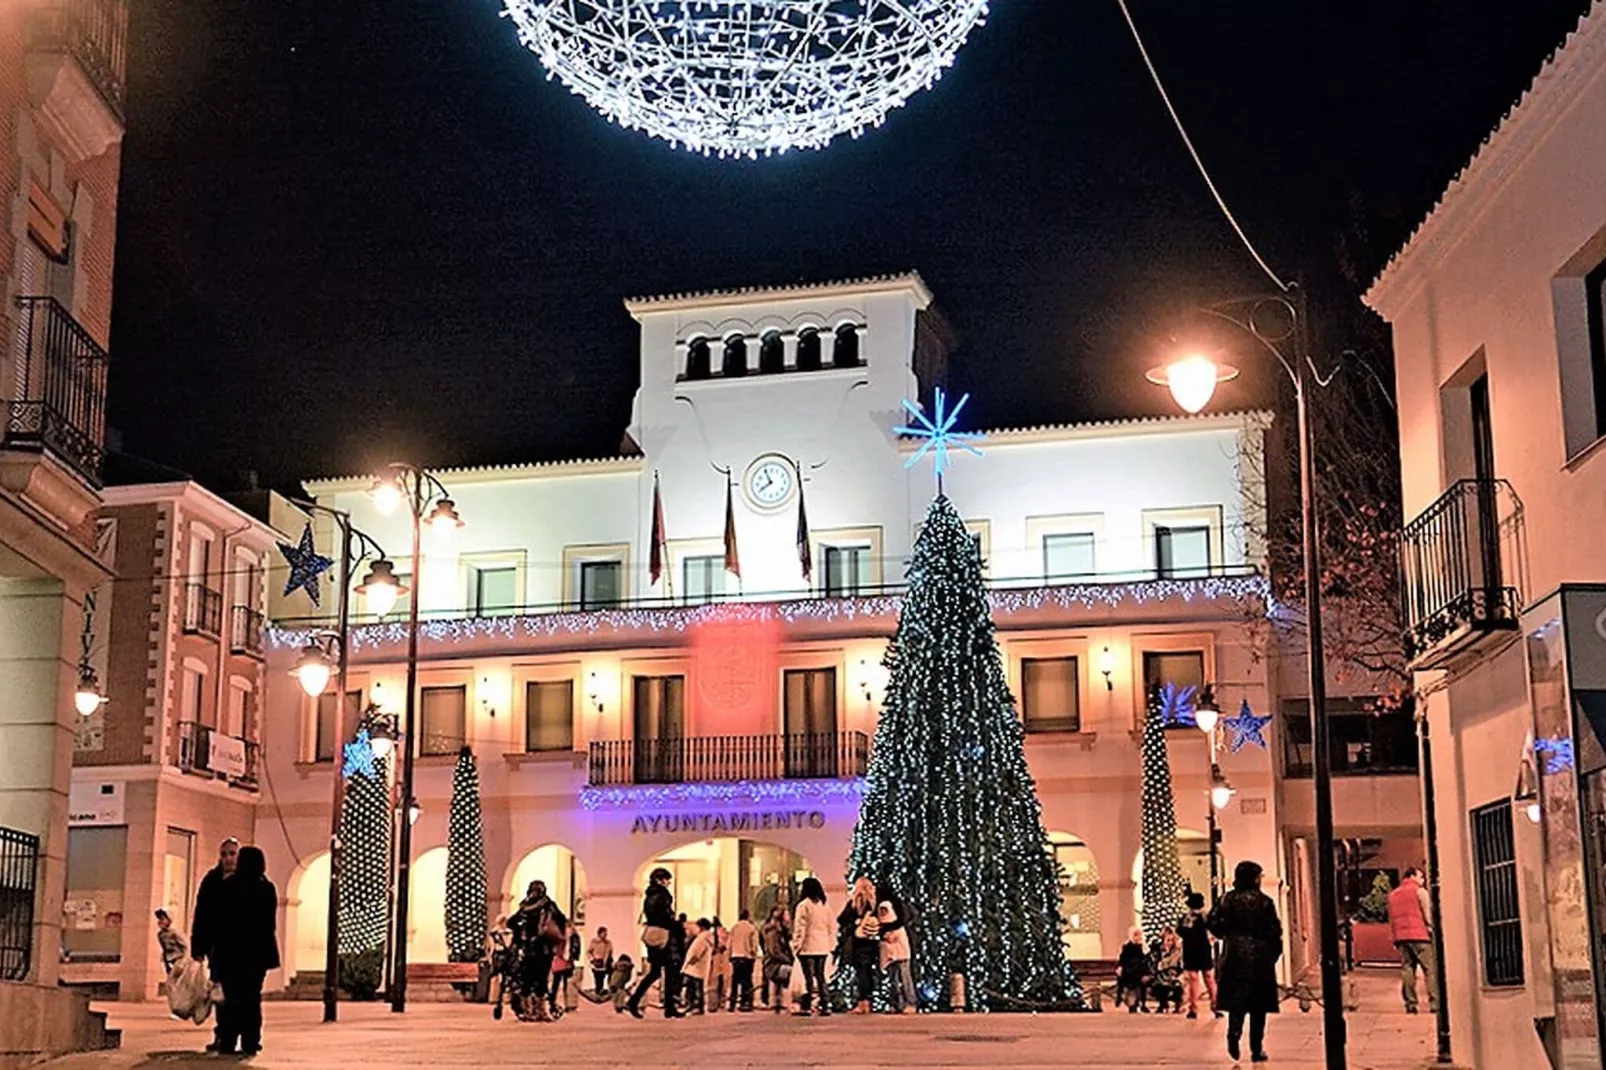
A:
{"x": 1409, "y": 911}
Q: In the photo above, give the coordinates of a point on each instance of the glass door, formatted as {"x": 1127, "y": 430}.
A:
{"x": 660, "y": 724}
{"x": 810, "y": 727}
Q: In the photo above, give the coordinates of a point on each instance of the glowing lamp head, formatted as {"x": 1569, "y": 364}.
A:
{"x": 443, "y": 519}
{"x": 1221, "y": 794}
{"x": 414, "y": 812}
{"x": 1533, "y": 812}
{"x": 1206, "y": 712}
{"x": 312, "y": 670}
{"x": 87, "y": 698}
{"x": 380, "y": 588}
{"x": 383, "y": 746}
{"x": 1192, "y": 380}
{"x": 387, "y": 494}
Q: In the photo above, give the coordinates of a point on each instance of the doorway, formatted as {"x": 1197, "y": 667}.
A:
{"x": 660, "y": 728}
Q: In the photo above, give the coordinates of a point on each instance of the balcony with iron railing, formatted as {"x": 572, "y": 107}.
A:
{"x": 94, "y": 33}
{"x": 245, "y": 631}
{"x": 722, "y": 759}
{"x": 1462, "y": 565}
{"x": 205, "y": 751}
{"x": 203, "y": 610}
{"x": 58, "y": 396}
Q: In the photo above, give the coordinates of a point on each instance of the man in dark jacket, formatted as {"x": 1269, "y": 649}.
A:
{"x": 244, "y": 948}
{"x": 1245, "y": 921}
{"x": 538, "y": 926}
{"x": 203, "y": 926}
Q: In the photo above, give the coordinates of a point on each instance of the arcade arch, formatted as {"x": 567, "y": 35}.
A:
{"x": 721, "y": 877}
{"x": 564, "y": 876}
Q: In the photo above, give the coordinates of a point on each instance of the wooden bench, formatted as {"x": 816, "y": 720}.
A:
{"x": 442, "y": 982}
{"x": 1097, "y": 977}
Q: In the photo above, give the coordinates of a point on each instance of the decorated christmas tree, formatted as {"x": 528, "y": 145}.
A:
{"x": 465, "y": 865}
{"x": 365, "y": 872}
{"x": 950, "y": 814}
{"x": 1164, "y": 892}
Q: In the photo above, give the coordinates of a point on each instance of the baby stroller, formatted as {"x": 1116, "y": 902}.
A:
{"x": 507, "y": 967}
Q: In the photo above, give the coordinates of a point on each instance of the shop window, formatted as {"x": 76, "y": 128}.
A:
{"x": 549, "y": 715}
{"x": 443, "y": 715}
{"x": 178, "y": 865}
{"x": 1049, "y": 701}
{"x": 92, "y": 911}
{"x": 1494, "y": 863}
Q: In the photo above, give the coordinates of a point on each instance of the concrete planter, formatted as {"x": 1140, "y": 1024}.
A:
{"x": 1373, "y": 943}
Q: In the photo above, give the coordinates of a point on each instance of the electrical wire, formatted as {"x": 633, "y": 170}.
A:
{"x": 1193, "y": 152}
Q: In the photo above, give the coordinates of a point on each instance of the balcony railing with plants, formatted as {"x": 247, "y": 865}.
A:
{"x": 1461, "y": 564}
{"x": 93, "y": 32}
{"x": 59, "y": 394}
{"x": 245, "y": 631}
{"x": 702, "y": 759}
{"x": 203, "y": 609}
{"x": 236, "y": 760}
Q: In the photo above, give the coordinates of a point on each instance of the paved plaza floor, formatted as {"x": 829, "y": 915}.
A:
{"x": 369, "y": 1037}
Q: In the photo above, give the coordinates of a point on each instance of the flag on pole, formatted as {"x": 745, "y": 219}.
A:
{"x": 655, "y": 555}
{"x": 805, "y": 553}
{"x": 733, "y": 563}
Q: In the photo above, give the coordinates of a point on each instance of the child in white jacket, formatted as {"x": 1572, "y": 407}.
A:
{"x": 895, "y": 958}
{"x": 699, "y": 959}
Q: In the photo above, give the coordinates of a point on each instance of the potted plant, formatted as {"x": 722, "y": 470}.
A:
{"x": 1369, "y": 925}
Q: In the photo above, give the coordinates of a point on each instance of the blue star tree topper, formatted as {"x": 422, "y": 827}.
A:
{"x": 1246, "y": 728}
{"x": 938, "y": 433}
{"x": 306, "y": 565}
{"x": 359, "y": 756}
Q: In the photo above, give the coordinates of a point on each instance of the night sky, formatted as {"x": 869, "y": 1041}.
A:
{"x": 365, "y": 230}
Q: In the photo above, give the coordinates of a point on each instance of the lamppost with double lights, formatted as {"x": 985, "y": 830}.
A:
{"x": 426, "y": 499}
{"x": 1207, "y": 715}
{"x": 327, "y": 653}
{"x": 1278, "y": 323}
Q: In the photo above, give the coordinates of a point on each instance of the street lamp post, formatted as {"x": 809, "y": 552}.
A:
{"x": 1192, "y": 380}
{"x": 419, "y": 490}
{"x": 1206, "y": 715}
{"x": 312, "y": 669}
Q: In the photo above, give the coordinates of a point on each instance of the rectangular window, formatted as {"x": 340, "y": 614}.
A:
{"x": 846, "y": 570}
{"x": 443, "y": 715}
{"x": 325, "y": 747}
{"x": 239, "y": 709}
{"x": 660, "y": 726}
{"x": 549, "y": 715}
{"x": 1181, "y": 668}
{"x": 200, "y": 555}
{"x": 1181, "y": 551}
{"x": 176, "y": 882}
{"x": 1068, "y": 555}
{"x": 1595, "y": 298}
{"x": 1049, "y": 695}
{"x": 93, "y": 908}
{"x": 601, "y": 583}
{"x": 493, "y": 591}
{"x": 1494, "y": 861}
{"x": 810, "y": 715}
{"x": 192, "y": 697}
{"x": 703, "y": 578}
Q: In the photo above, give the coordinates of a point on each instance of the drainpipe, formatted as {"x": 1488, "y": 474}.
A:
{"x": 1430, "y": 832}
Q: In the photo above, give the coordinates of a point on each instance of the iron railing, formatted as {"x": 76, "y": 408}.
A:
{"x": 245, "y": 631}
{"x": 94, "y": 32}
{"x": 19, "y": 881}
{"x": 203, "y": 609}
{"x": 1461, "y": 565}
{"x": 195, "y": 754}
{"x": 700, "y": 759}
{"x": 58, "y": 396}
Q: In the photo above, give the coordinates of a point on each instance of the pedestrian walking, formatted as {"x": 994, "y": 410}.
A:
{"x": 245, "y": 946}
{"x": 775, "y": 939}
{"x": 539, "y": 927}
{"x": 208, "y": 906}
{"x": 743, "y": 954}
{"x": 1167, "y": 982}
{"x": 699, "y": 963}
{"x": 1245, "y": 921}
{"x": 1132, "y": 974}
{"x": 600, "y": 956}
{"x": 174, "y": 949}
{"x": 1409, "y": 912}
{"x": 859, "y": 936}
{"x": 659, "y": 933}
{"x": 896, "y": 949}
{"x": 719, "y": 969}
{"x": 1198, "y": 956}
{"x": 813, "y": 937}
{"x": 563, "y": 960}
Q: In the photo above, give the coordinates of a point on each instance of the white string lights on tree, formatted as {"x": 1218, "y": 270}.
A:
{"x": 745, "y": 77}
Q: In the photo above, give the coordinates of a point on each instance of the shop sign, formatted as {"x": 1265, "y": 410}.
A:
{"x": 766, "y": 821}
{"x": 95, "y": 803}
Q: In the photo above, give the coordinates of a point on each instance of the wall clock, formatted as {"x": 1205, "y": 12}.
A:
{"x": 770, "y": 482}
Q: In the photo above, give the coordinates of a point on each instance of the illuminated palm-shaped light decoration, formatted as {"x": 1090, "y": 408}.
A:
{"x": 938, "y": 432}
{"x": 744, "y": 77}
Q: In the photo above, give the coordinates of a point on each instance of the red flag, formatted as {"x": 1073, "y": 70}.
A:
{"x": 655, "y": 555}
{"x": 733, "y": 563}
{"x": 805, "y": 553}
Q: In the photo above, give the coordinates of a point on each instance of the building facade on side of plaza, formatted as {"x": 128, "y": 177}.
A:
{"x": 61, "y": 127}
{"x": 1497, "y": 310}
{"x": 719, "y": 725}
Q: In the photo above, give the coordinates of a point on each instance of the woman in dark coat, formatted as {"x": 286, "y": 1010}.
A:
{"x": 244, "y": 948}
{"x": 1245, "y": 921}
{"x": 666, "y": 947}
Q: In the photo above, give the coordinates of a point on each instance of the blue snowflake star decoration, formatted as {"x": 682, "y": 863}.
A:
{"x": 1246, "y": 728}
{"x": 939, "y": 433}
{"x": 306, "y": 565}
{"x": 961, "y": 929}
{"x": 359, "y": 756}
{"x": 1557, "y": 753}
{"x": 1177, "y": 705}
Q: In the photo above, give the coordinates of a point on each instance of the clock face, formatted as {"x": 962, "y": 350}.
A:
{"x": 770, "y": 482}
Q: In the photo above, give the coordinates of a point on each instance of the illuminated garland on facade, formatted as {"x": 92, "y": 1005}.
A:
{"x": 744, "y": 77}
{"x": 640, "y": 796}
{"x": 676, "y": 619}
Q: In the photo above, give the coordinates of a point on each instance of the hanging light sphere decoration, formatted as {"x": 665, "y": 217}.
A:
{"x": 746, "y": 77}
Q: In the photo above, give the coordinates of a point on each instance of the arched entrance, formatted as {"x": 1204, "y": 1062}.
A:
{"x": 565, "y": 879}
{"x": 1193, "y": 856}
{"x": 426, "y": 907}
{"x": 1079, "y": 895}
{"x": 309, "y": 937}
{"x": 721, "y": 877}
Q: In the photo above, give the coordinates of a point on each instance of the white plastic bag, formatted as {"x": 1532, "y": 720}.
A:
{"x": 796, "y": 986}
{"x": 189, "y": 992}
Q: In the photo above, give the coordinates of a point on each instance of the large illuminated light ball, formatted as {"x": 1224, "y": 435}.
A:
{"x": 746, "y": 77}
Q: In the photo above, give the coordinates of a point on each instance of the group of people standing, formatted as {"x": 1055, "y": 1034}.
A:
{"x": 1230, "y": 955}
{"x": 691, "y": 960}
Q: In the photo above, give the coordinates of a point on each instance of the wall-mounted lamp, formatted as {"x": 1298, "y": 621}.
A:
{"x": 864, "y": 680}
{"x": 485, "y": 697}
{"x": 1107, "y": 667}
{"x": 1527, "y": 790}
{"x": 594, "y": 691}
